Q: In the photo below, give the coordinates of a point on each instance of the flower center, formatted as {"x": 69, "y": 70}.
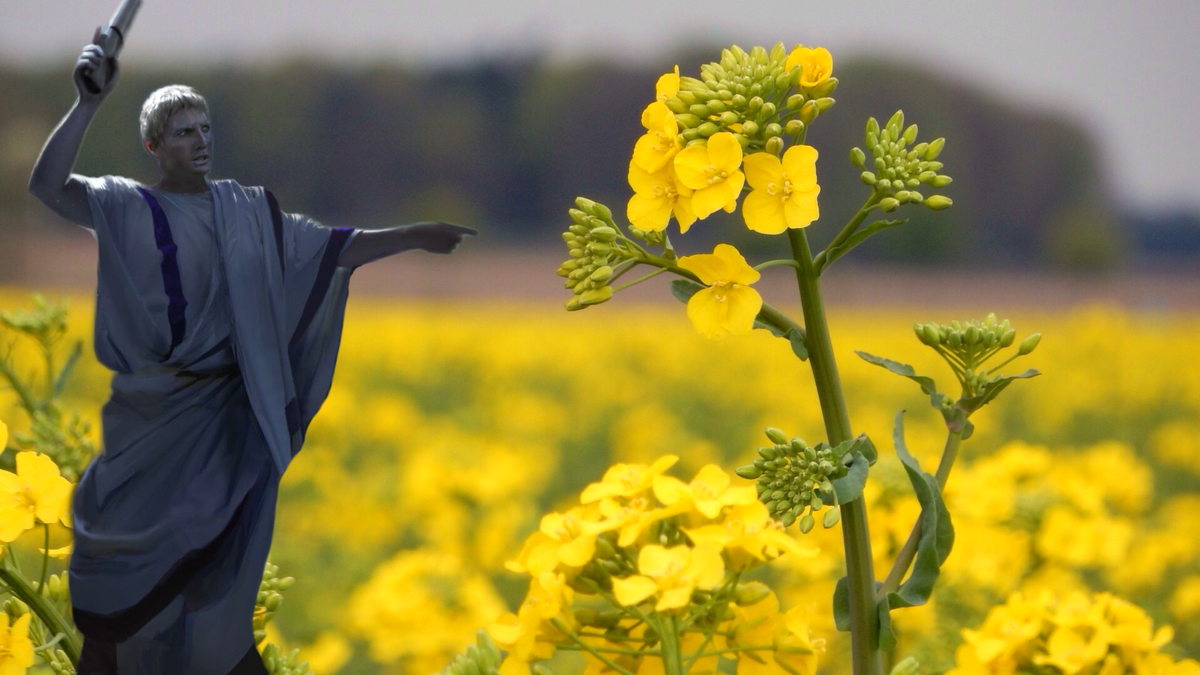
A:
{"x": 720, "y": 288}
{"x": 715, "y": 175}
{"x": 783, "y": 191}
{"x": 704, "y": 490}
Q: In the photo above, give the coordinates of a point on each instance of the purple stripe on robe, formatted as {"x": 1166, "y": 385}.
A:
{"x": 333, "y": 249}
{"x": 172, "y": 283}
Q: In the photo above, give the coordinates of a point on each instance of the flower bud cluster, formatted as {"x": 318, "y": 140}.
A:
{"x": 897, "y": 171}
{"x": 796, "y": 480}
{"x": 277, "y": 663}
{"x": 967, "y": 345}
{"x": 269, "y": 599}
{"x": 595, "y": 247}
{"x": 481, "y": 658}
{"x": 747, "y": 94}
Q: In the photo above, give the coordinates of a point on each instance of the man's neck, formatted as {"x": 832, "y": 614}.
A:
{"x": 183, "y": 186}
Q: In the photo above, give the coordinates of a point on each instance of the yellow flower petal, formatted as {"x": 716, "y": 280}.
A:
{"x": 707, "y": 314}
{"x": 800, "y": 165}
{"x": 801, "y": 210}
{"x": 764, "y": 213}
{"x": 683, "y": 211}
{"x": 674, "y": 599}
{"x": 764, "y": 168}
{"x": 709, "y": 200}
{"x": 647, "y": 212}
{"x": 690, "y": 164}
{"x": 667, "y": 85}
{"x": 737, "y": 269}
{"x": 657, "y": 561}
{"x": 725, "y": 152}
{"x": 632, "y": 590}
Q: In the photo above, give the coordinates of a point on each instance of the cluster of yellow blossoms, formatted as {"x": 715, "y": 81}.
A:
{"x": 1099, "y": 634}
{"x": 659, "y": 561}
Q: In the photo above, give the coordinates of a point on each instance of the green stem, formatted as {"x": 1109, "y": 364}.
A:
{"x": 44, "y": 609}
{"x": 819, "y": 263}
{"x": 672, "y": 652}
{"x": 640, "y": 279}
{"x": 708, "y": 634}
{"x": 610, "y": 650}
{"x": 45, "y": 557}
{"x": 588, "y": 648}
{"x": 864, "y": 621}
{"x": 908, "y": 552}
{"x": 773, "y": 263}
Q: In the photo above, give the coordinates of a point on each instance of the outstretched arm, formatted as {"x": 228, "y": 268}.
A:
{"x": 372, "y": 245}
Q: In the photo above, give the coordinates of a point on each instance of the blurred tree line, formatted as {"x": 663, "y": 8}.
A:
{"x": 506, "y": 146}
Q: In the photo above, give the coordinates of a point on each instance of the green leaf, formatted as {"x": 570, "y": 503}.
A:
{"x": 850, "y": 487}
{"x": 684, "y": 289}
{"x": 993, "y": 389}
{"x": 798, "y": 346}
{"x": 61, "y": 381}
{"x": 841, "y": 605}
{"x": 937, "y": 537}
{"x": 857, "y": 238}
{"x": 903, "y": 369}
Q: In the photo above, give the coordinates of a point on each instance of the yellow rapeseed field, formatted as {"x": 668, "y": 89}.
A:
{"x": 452, "y": 428}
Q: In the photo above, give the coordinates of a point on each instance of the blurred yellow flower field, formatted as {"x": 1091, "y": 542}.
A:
{"x": 451, "y": 429}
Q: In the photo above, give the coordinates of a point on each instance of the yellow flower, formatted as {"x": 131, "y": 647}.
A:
{"x": 36, "y": 489}
{"x": 3, "y": 435}
{"x": 713, "y": 171}
{"x": 785, "y": 193}
{"x": 750, "y": 536}
{"x": 667, "y": 86}
{"x": 661, "y": 142}
{"x": 633, "y": 517}
{"x": 626, "y": 480}
{"x": 761, "y": 625}
{"x": 59, "y": 553}
{"x": 563, "y": 538}
{"x": 1072, "y": 650}
{"x": 728, "y": 306}
{"x": 655, "y": 196}
{"x": 16, "y": 651}
{"x": 816, "y": 65}
{"x": 671, "y": 574}
{"x": 529, "y": 635}
{"x": 709, "y": 491}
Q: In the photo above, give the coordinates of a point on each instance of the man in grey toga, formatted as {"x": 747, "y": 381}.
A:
{"x": 220, "y": 316}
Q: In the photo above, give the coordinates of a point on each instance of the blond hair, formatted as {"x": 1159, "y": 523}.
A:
{"x": 163, "y": 103}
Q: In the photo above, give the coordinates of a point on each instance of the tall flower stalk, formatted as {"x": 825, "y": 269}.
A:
{"x": 741, "y": 128}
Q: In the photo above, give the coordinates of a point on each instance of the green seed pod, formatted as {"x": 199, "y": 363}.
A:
{"x": 1029, "y": 344}
{"x": 717, "y": 105}
{"x": 688, "y": 121}
{"x": 889, "y": 204}
{"x": 895, "y": 123}
{"x": 596, "y": 296}
{"x": 750, "y": 128}
{"x": 941, "y": 181}
{"x": 868, "y": 178}
{"x": 858, "y": 157}
{"x": 910, "y": 134}
{"x": 700, "y": 110}
{"x": 794, "y": 127}
{"x": 597, "y": 248}
{"x": 934, "y": 166}
{"x": 708, "y": 129}
{"x": 770, "y": 504}
{"x": 690, "y": 135}
{"x": 777, "y": 495}
{"x": 973, "y": 335}
{"x": 824, "y": 88}
{"x": 935, "y": 149}
{"x": 739, "y": 99}
{"x": 578, "y": 216}
{"x": 729, "y": 117}
{"x": 926, "y": 176}
{"x": 784, "y": 506}
{"x": 767, "y": 110}
{"x": 675, "y": 105}
{"x": 824, "y": 103}
{"x": 798, "y": 446}
{"x": 788, "y": 518}
{"x": 933, "y": 333}
{"x": 832, "y": 516}
{"x": 902, "y": 196}
{"x": 806, "y": 523}
{"x": 748, "y": 471}
{"x": 776, "y": 435}
{"x": 578, "y": 230}
{"x": 768, "y": 453}
{"x": 687, "y": 97}
{"x": 795, "y": 101}
{"x": 1006, "y": 338}
{"x": 772, "y": 130}
{"x": 938, "y": 202}
{"x": 774, "y": 145}
{"x": 816, "y": 502}
{"x": 872, "y": 129}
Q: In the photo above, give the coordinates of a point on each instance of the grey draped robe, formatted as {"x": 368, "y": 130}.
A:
{"x": 211, "y": 398}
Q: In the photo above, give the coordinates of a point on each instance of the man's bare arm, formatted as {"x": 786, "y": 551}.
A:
{"x": 52, "y": 181}
{"x": 372, "y": 245}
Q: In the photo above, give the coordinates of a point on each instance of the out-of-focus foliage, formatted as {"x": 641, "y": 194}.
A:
{"x": 505, "y": 145}
{"x": 451, "y": 429}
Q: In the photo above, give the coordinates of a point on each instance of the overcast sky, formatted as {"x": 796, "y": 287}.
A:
{"x": 1130, "y": 71}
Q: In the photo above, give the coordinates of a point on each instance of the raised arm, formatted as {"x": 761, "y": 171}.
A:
{"x": 52, "y": 181}
{"x": 375, "y": 244}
